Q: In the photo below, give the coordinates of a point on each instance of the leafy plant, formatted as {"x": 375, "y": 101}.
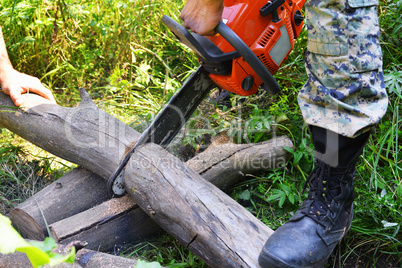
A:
{"x": 393, "y": 80}
{"x": 38, "y": 253}
{"x": 144, "y": 264}
{"x": 256, "y": 128}
{"x": 164, "y": 250}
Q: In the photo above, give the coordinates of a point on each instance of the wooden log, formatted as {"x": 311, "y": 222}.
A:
{"x": 198, "y": 214}
{"x": 80, "y": 190}
{"x": 104, "y": 228}
{"x": 226, "y": 164}
{"x": 82, "y": 134}
{"x": 73, "y": 193}
{"x": 114, "y": 223}
{"x": 17, "y": 259}
{"x": 109, "y": 209}
{"x": 84, "y": 258}
{"x": 95, "y": 259}
{"x": 20, "y": 260}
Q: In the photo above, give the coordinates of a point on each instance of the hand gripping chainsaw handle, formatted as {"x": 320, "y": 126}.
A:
{"x": 262, "y": 34}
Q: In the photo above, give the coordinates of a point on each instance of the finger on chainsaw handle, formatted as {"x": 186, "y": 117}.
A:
{"x": 202, "y": 16}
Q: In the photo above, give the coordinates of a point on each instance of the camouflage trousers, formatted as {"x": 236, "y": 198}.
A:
{"x": 345, "y": 90}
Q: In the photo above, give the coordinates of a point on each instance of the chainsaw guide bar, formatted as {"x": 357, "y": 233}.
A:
{"x": 167, "y": 123}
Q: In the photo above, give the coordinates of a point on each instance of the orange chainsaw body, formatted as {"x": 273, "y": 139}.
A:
{"x": 270, "y": 37}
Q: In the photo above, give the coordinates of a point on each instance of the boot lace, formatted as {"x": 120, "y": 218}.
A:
{"x": 324, "y": 184}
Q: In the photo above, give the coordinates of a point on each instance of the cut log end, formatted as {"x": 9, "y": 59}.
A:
{"x": 27, "y": 226}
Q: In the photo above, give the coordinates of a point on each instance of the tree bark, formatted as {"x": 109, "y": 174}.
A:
{"x": 198, "y": 214}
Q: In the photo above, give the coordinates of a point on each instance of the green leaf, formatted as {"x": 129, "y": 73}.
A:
{"x": 36, "y": 256}
{"x": 57, "y": 258}
{"x": 393, "y": 82}
{"x": 10, "y": 239}
{"x": 38, "y": 253}
{"x": 288, "y": 149}
{"x": 144, "y": 264}
{"x": 282, "y": 201}
{"x": 291, "y": 198}
{"x": 27, "y": 40}
{"x": 276, "y": 194}
{"x": 284, "y": 188}
{"x": 281, "y": 118}
{"x": 46, "y": 246}
{"x": 245, "y": 195}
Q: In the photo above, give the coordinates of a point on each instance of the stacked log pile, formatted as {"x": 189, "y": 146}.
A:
{"x": 163, "y": 192}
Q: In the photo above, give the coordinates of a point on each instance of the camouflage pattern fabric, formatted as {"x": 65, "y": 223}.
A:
{"x": 345, "y": 89}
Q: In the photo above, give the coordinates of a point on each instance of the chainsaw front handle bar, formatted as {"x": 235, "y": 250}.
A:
{"x": 248, "y": 55}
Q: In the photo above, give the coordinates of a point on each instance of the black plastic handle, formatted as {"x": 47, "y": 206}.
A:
{"x": 259, "y": 68}
{"x": 271, "y": 7}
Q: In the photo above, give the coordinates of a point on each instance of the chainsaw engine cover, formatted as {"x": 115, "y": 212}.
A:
{"x": 268, "y": 29}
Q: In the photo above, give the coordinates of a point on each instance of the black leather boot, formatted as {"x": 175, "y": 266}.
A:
{"x": 324, "y": 218}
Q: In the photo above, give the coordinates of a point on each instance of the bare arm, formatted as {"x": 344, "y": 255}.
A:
{"x": 202, "y": 16}
{"x": 4, "y": 60}
{"x": 15, "y": 83}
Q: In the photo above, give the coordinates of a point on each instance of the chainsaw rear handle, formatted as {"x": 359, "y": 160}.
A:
{"x": 259, "y": 68}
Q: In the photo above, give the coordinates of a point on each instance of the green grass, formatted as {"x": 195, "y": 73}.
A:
{"x": 24, "y": 170}
{"x": 123, "y": 55}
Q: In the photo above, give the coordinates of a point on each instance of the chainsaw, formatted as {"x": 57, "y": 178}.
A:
{"x": 254, "y": 38}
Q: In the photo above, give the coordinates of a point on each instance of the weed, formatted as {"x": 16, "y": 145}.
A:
{"x": 165, "y": 250}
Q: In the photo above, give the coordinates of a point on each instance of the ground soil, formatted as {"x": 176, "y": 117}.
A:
{"x": 364, "y": 257}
